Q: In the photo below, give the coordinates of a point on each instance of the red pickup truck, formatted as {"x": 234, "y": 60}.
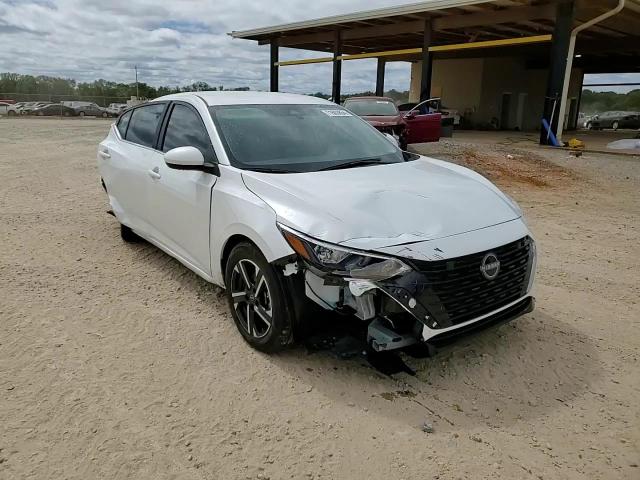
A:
{"x": 383, "y": 114}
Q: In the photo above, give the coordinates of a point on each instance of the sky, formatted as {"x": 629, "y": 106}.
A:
{"x": 180, "y": 42}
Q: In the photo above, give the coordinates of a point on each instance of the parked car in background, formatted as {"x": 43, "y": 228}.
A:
{"x": 115, "y": 109}
{"x": 4, "y": 108}
{"x": 614, "y": 120}
{"x": 54, "y": 109}
{"x": 28, "y": 107}
{"x": 383, "y": 114}
{"x": 91, "y": 110}
{"x": 291, "y": 202}
{"x": 15, "y": 109}
{"x": 432, "y": 105}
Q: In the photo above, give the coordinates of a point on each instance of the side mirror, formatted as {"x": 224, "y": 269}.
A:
{"x": 189, "y": 158}
{"x": 184, "y": 158}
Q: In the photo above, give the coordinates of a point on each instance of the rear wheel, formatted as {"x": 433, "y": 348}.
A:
{"x": 81, "y": 114}
{"x": 259, "y": 304}
{"x": 128, "y": 235}
{"x": 105, "y": 114}
{"x": 11, "y": 113}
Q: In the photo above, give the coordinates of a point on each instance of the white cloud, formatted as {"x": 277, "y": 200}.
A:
{"x": 173, "y": 43}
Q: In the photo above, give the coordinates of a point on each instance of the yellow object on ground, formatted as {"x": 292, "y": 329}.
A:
{"x": 575, "y": 143}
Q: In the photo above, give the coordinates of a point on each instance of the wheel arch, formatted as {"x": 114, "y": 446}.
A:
{"x": 233, "y": 241}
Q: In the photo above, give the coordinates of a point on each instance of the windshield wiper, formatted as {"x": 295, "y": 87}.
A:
{"x": 355, "y": 163}
{"x": 268, "y": 170}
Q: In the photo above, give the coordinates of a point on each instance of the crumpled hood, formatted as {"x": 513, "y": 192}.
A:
{"x": 383, "y": 205}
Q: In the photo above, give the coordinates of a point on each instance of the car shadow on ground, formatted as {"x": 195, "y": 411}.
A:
{"x": 515, "y": 372}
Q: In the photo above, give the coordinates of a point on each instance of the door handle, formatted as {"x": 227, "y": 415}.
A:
{"x": 155, "y": 173}
{"x": 104, "y": 154}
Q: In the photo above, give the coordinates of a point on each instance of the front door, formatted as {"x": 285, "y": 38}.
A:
{"x": 422, "y": 125}
{"x": 180, "y": 200}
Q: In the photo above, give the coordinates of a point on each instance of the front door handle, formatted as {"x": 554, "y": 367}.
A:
{"x": 155, "y": 173}
{"x": 104, "y": 154}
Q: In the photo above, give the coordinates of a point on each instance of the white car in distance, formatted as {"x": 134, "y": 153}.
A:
{"x": 289, "y": 200}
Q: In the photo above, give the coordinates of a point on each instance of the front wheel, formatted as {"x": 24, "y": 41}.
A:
{"x": 81, "y": 114}
{"x": 259, "y": 304}
{"x": 615, "y": 125}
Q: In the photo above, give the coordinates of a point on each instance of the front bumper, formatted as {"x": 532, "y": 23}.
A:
{"x": 438, "y": 300}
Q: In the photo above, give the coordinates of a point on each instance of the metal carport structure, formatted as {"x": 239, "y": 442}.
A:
{"x": 541, "y": 30}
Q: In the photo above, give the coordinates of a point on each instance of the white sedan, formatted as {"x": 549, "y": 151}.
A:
{"x": 288, "y": 201}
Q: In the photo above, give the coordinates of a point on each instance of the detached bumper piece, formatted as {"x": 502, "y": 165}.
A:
{"x": 381, "y": 338}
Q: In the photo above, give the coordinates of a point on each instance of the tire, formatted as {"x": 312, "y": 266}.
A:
{"x": 40, "y": 114}
{"x": 11, "y": 113}
{"x": 129, "y": 235}
{"x": 105, "y": 114}
{"x": 260, "y": 307}
{"x": 589, "y": 126}
{"x": 81, "y": 114}
{"x": 66, "y": 114}
{"x": 615, "y": 125}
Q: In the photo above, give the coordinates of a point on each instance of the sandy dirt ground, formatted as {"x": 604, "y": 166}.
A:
{"x": 117, "y": 362}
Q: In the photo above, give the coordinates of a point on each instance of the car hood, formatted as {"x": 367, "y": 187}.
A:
{"x": 383, "y": 205}
{"x": 384, "y": 121}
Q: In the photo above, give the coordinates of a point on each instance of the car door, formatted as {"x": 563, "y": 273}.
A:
{"x": 180, "y": 200}
{"x": 423, "y": 126}
{"x": 127, "y": 164}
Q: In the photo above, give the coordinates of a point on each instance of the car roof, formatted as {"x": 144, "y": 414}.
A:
{"x": 248, "y": 98}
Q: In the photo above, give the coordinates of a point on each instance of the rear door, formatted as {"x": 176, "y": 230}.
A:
{"x": 127, "y": 164}
{"x": 180, "y": 200}
{"x": 423, "y": 126}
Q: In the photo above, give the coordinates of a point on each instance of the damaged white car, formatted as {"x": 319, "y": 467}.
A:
{"x": 287, "y": 199}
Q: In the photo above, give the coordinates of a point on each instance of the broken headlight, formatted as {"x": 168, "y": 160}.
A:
{"x": 343, "y": 261}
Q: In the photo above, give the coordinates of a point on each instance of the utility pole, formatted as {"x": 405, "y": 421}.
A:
{"x": 137, "y": 94}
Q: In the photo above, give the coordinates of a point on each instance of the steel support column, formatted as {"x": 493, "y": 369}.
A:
{"x": 565, "y": 12}
{"x": 427, "y": 61}
{"x": 274, "y": 68}
{"x": 337, "y": 67}
{"x": 382, "y": 63}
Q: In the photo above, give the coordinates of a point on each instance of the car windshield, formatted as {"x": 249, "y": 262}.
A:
{"x": 299, "y": 138}
{"x": 372, "y": 107}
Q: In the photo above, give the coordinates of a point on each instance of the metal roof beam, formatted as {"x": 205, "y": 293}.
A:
{"x": 511, "y": 15}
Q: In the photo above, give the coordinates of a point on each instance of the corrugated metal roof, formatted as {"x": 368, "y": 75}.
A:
{"x": 410, "y": 9}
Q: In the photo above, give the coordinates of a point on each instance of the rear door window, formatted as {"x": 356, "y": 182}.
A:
{"x": 123, "y": 123}
{"x": 186, "y": 129}
{"x": 144, "y": 124}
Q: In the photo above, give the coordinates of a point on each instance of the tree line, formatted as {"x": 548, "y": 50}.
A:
{"x": 22, "y": 88}
{"x": 598, "y": 102}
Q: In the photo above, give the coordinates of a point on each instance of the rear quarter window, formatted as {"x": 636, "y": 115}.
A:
{"x": 123, "y": 122}
{"x": 143, "y": 124}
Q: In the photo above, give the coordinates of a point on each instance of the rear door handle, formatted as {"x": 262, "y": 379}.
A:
{"x": 155, "y": 173}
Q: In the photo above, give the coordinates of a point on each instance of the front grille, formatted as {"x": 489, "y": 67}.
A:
{"x": 456, "y": 290}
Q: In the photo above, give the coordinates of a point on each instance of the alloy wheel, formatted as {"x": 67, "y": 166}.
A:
{"x": 251, "y": 298}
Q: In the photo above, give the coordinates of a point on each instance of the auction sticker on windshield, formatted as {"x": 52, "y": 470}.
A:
{"x": 337, "y": 113}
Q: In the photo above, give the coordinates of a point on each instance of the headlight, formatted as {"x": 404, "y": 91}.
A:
{"x": 343, "y": 261}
